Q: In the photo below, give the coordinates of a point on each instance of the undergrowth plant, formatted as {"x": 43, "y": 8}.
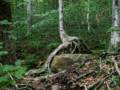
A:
{"x": 10, "y": 74}
{"x": 2, "y": 51}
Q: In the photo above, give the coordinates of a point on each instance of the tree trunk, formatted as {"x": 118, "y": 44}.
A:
{"x": 5, "y": 14}
{"x": 62, "y": 32}
{"x": 88, "y": 16}
{"x": 29, "y": 17}
{"x": 69, "y": 43}
{"x": 115, "y": 24}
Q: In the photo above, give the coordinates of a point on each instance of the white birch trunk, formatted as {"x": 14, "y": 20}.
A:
{"x": 29, "y": 16}
{"x": 62, "y": 32}
{"x": 115, "y": 23}
{"x": 88, "y": 16}
{"x": 67, "y": 40}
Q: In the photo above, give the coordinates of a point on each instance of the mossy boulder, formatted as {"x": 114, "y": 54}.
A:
{"x": 64, "y": 61}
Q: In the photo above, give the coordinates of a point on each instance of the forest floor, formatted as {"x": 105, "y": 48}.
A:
{"x": 96, "y": 74}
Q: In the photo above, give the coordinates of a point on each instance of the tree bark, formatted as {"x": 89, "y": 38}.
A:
{"x": 62, "y": 32}
{"x": 29, "y": 17}
{"x": 115, "y": 24}
{"x": 71, "y": 43}
{"x": 88, "y": 16}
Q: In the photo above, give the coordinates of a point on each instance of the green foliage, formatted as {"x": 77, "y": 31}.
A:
{"x": 118, "y": 47}
{"x": 45, "y": 36}
{"x": 31, "y": 60}
{"x": 112, "y": 29}
{"x": 10, "y": 73}
{"x": 4, "y": 22}
{"x": 7, "y": 0}
{"x": 2, "y": 51}
{"x": 52, "y": 45}
{"x": 115, "y": 81}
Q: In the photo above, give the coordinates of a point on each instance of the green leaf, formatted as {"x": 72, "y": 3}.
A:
{"x": 3, "y": 79}
{"x": 1, "y": 43}
{"x": 1, "y": 47}
{"x": 112, "y": 29}
{"x": 19, "y": 72}
{"x": 3, "y": 53}
{"x": 18, "y": 63}
{"x": 4, "y": 22}
{"x": 8, "y": 68}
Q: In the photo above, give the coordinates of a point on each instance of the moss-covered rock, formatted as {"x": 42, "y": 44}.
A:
{"x": 64, "y": 61}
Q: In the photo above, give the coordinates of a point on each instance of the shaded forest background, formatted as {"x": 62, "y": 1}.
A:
{"x": 31, "y": 50}
{"x": 44, "y": 34}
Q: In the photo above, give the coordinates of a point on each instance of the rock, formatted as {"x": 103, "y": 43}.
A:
{"x": 61, "y": 64}
{"x": 56, "y": 87}
{"x": 63, "y": 61}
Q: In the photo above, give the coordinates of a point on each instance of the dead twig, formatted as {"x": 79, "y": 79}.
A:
{"x": 108, "y": 87}
{"x": 85, "y": 87}
{"x": 116, "y": 65}
{"x": 83, "y": 75}
{"x": 11, "y": 77}
{"x": 98, "y": 82}
{"x": 95, "y": 83}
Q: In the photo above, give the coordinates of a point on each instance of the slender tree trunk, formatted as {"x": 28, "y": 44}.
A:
{"x": 62, "y": 32}
{"x": 66, "y": 40}
{"x": 88, "y": 16}
{"x": 115, "y": 24}
{"x": 29, "y": 17}
{"x": 69, "y": 43}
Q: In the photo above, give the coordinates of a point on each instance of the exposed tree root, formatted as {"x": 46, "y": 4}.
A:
{"x": 108, "y": 87}
{"x": 86, "y": 77}
{"x": 69, "y": 45}
{"x": 116, "y": 65}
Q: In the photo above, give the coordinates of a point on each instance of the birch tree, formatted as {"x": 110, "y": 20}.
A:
{"x": 88, "y": 15}
{"x": 115, "y": 39}
{"x": 69, "y": 43}
{"x": 29, "y": 17}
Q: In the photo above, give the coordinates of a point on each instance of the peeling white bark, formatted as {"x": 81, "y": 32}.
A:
{"x": 62, "y": 32}
{"x": 66, "y": 39}
{"x": 115, "y": 23}
{"x": 29, "y": 17}
{"x": 63, "y": 35}
{"x": 72, "y": 41}
{"x": 88, "y": 16}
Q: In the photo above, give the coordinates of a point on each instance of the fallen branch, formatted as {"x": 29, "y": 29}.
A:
{"x": 95, "y": 83}
{"x": 16, "y": 86}
{"x": 83, "y": 75}
{"x": 98, "y": 82}
{"x": 108, "y": 87}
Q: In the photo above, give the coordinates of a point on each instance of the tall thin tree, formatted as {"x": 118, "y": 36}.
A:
{"x": 115, "y": 39}
{"x": 88, "y": 15}
{"x": 70, "y": 42}
{"x": 29, "y": 17}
